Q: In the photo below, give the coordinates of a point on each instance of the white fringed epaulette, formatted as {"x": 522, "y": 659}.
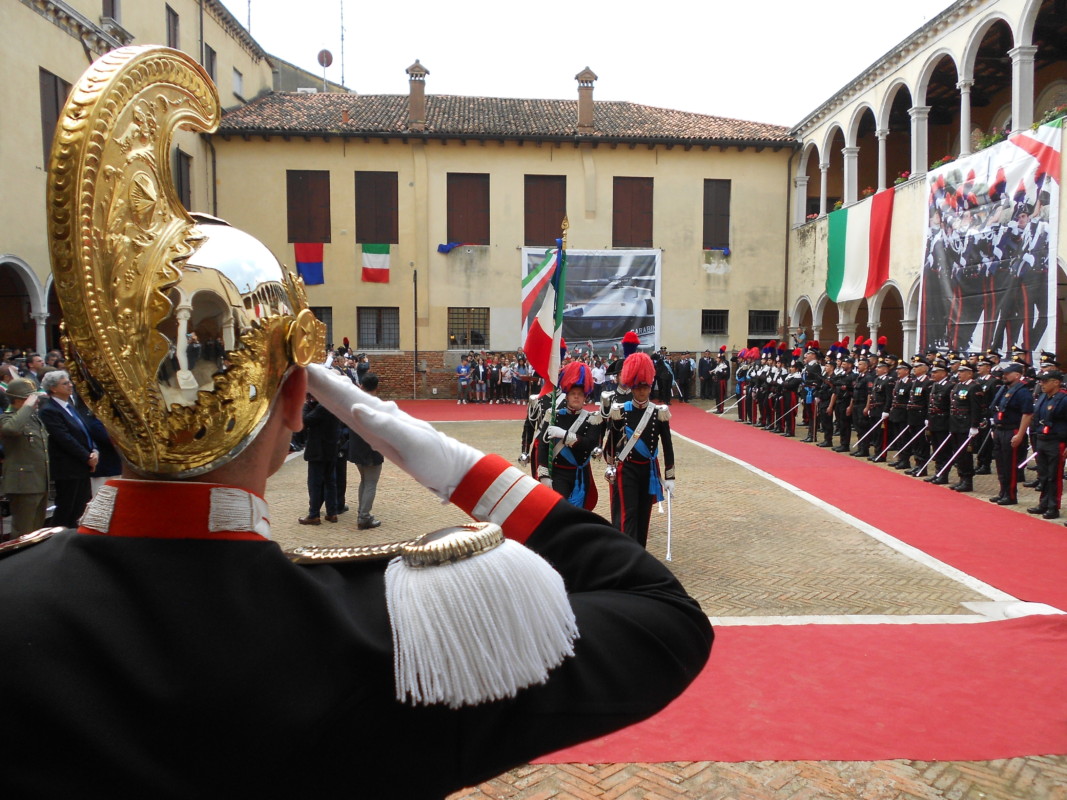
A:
{"x": 475, "y": 617}
{"x": 663, "y": 413}
{"x": 595, "y": 418}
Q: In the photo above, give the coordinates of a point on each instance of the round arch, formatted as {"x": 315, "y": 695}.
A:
{"x": 888, "y": 99}
{"x": 854, "y": 122}
{"x": 965, "y": 67}
{"x": 876, "y": 302}
{"x": 1027, "y": 20}
{"x": 805, "y": 154}
{"x": 36, "y": 292}
{"x": 935, "y": 58}
{"x": 796, "y": 316}
{"x": 828, "y": 138}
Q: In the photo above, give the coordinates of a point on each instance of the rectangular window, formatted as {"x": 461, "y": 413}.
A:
{"x": 545, "y": 207}
{"x": 173, "y": 38}
{"x": 376, "y": 208}
{"x": 308, "y": 201}
{"x": 54, "y": 91}
{"x": 716, "y": 214}
{"x": 324, "y": 314}
{"x": 714, "y": 321}
{"x": 762, "y": 323}
{"x": 631, "y": 216}
{"x": 238, "y": 83}
{"x": 468, "y": 207}
{"x": 111, "y": 9}
{"x": 183, "y": 163}
{"x": 378, "y": 328}
{"x": 211, "y": 62}
{"x": 468, "y": 328}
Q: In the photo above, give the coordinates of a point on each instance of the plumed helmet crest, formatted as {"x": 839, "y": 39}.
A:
{"x": 637, "y": 369}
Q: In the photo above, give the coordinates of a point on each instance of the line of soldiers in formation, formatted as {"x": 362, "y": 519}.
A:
{"x": 560, "y": 442}
{"x": 964, "y": 411}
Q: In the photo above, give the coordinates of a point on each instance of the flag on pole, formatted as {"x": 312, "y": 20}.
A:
{"x": 375, "y": 263}
{"x": 857, "y": 251}
{"x": 309, "y": 262}
{"x": 546, "y": 328}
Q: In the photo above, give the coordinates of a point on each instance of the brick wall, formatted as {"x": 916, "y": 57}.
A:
{"x": 397, "y": 380}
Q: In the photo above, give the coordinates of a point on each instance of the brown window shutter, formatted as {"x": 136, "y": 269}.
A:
{"x": 377, "y": 208}
{"x": 545, "y": 207}
{"x": 632, "y": 212}
{"x": 716, "y": 214}
{"x": 308, "y": 204}
{"x": 468, "y": 208}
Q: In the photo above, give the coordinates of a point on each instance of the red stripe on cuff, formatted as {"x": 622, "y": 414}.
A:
{"x": 478, "y": 480}
{"x": 528, "y": 514}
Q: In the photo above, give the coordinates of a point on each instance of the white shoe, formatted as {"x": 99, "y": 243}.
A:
{"x": 458, "y": 402}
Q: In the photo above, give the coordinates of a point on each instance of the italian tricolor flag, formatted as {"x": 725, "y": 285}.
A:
{"x": 857, "y": 251}
{"x": 376, "y": 263}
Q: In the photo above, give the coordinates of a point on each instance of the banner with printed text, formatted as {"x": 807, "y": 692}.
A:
{"x": 607, "y": 293}
{"x": 989, "y": 266}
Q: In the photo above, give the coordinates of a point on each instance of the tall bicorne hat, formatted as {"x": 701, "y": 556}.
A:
{"x": 630, "y": 342}
{"x": 638, "y": 369}
{"x": 576, "y": 374}
{"x": 138, "y": 276}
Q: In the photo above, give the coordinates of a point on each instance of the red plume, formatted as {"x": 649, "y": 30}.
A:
{"x": 883, "y": 340}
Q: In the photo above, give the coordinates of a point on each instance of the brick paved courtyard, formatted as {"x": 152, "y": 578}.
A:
{"x": 743, "y": 547}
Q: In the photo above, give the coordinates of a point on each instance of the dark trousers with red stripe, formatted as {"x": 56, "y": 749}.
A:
{"x": 631, "y": 504}
{"x": 1051, "y": 453}
{"x": 1007, "y": 458}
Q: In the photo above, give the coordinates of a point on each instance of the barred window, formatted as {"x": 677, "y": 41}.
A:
{"x": 714, "y": 321}
{"x": 324, "y": 314}
{"x": 762, "y": 323}
{"x": 378, "y": 328}
{"x": 468, "y": 328}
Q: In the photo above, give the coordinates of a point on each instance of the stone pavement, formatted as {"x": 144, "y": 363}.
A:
{"x": 743, "y": 548}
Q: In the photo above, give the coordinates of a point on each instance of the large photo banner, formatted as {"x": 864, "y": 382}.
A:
{"x": 606, "y": 294}
{"x": 989, "y": 267}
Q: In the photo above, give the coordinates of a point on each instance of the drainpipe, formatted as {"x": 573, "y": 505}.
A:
{"x": 788, "y": 231}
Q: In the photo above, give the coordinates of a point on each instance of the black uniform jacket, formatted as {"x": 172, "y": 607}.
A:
{"x": 181, "y": 668}
{"x": 68, "y": 442}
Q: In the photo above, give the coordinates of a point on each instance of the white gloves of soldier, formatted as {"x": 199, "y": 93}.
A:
{"x": 435, "y": 460}
{"x": 668, "y": 486}
{"x": 885, "y": 415}
{"x": 556, "y": 432}
{"x": 972, "y": 432}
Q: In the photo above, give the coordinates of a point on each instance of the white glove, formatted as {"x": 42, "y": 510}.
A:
{"x": 885, "y": 415}
{"x": 668, "y": 485}
{"x": 435, "y": 460}
{"x": 972, "y": 432}
{"x": 555, "y": 432}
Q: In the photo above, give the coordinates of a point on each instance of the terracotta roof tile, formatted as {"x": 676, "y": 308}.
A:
{"x": 446, "y": 115}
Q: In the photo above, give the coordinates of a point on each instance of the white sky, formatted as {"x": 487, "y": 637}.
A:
{"x": 764, "y": 60}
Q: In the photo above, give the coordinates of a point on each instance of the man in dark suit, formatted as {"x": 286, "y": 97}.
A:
{"x": 72, "y": 454}
{"x": 320, "y": 453}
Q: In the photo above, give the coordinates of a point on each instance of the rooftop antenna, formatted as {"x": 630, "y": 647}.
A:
{"x": 342, "y": 42}
{"x": 249, "y": 16}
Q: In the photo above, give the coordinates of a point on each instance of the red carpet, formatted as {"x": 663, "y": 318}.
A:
{"x": 1021, "y": 555}
{"x": 861, "y": 693}
{"x": 866, "y": 692}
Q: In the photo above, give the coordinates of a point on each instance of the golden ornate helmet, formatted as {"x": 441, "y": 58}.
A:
{"x": 180, "y": 329}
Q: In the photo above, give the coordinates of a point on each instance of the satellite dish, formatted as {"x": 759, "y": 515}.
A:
{"x": 325, "y": 58}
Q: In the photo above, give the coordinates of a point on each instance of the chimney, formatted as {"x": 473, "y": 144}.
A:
{"x": 417, "y": 96}
{"x": 585, "y": 79}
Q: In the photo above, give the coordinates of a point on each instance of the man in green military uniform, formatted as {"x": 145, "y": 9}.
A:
{"x": 25, "y": 480}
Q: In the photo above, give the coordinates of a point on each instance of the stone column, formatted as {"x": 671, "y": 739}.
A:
{"x": 872, "y": 333}
{"x": 847, "y": 329}
{"x": 920, "y": 158}
{"x": 1022, "y": 86}
{"x": 801, "y": 212}
{"x": 40, "y": 319}
{"x": 965, "y": 116}
{"x": 851, "y": 155}
{"x": 910, "y": 343}
{"x": 881, "y": 133}
{"x": 823, "y": 169}
{"x": 816, "y": 334}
